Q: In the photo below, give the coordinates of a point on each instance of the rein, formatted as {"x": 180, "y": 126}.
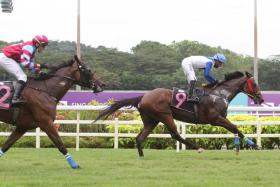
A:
{"x": 46, "y": 91}
{"x": 249, "y": 83}
{"x": 85, "y": 80}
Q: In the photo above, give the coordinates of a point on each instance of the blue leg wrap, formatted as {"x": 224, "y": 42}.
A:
{"x": 236, "y": 140}
{"x": 248, "y": 141}
{"x": 71, "y": 162}
{"x": 1, "y": 153}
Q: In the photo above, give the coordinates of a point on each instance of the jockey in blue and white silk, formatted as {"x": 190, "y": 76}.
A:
{"x": 201, "y": 62}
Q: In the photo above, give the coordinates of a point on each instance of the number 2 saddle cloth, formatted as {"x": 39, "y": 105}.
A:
{"x": 6, "y": 94}
{"x": 179, "y": 99}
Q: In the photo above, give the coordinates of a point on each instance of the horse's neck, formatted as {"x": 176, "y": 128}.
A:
{"x": 228, "y": 90}
{"x": 56, "y": 86}
{"x": 59, "y": 86}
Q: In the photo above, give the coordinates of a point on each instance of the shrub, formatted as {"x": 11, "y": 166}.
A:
{"x": 155, "y": 143}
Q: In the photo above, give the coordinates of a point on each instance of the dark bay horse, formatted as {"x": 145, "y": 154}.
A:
{"x": 41, "y": 96}
{"x": 155, "y": 106}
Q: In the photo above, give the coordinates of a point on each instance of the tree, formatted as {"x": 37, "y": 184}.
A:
{"x": 269, "y": 74}
{"x": 152, "y": 64}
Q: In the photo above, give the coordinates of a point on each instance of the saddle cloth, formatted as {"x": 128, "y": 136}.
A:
{"x": 6, "y": 94}
{"x": 179, "y": 99}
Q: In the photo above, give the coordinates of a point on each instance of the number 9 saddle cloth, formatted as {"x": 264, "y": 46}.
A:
{"x": 179, "y": 99}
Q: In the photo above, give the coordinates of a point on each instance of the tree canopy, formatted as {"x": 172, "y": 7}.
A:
{"x": 151, "y": 64}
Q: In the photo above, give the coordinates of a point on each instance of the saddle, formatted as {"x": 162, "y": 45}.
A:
{"x": 179, "y": 99}
{"x": 6, "y": 94}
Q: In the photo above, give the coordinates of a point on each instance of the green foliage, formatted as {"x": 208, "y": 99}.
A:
{"x": 269, "y": 74}
{"x": 155, "y": 143}
{"x": 151, "y": 64}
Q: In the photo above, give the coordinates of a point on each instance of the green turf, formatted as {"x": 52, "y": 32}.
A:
{"x": 108, "y": 167}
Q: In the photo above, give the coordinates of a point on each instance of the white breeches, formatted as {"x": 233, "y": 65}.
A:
{"x": 12, "y": 67}
{"x": 188, "y": 70}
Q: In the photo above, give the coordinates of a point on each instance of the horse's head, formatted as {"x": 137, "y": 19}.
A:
{"x": 86, "y": 78}
{"x": 251, "y": 88}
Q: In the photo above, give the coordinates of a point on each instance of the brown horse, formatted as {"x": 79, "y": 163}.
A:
{"x": 155, "y": 106}
{"x": 41, "y": 96}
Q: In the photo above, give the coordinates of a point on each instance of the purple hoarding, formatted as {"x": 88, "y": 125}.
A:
{"x": 84, "y": 97}
{"x": 271, "y": 98}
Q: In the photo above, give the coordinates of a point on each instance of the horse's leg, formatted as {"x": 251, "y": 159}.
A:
{"x": 54, "y": 136}
{"x": 149, "y": 125}
{"x": 44, "y": 114}
{"x": 223, "y": 122}
{"x": 15, "y": 135}
{"x": 171, "y": 126}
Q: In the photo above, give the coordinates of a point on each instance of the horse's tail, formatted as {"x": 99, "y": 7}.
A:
{"x": 117, "y": 105}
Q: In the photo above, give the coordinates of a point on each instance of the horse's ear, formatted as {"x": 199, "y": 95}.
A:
{"x": 77, "y": 59}
{"x": 248, "y": 74}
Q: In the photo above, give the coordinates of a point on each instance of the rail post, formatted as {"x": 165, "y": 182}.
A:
{"x": 78, "y": 131}
{"x": 116, "y": 134}
{"x": 259, "y": 130}
{"x": 38, "y": 132}
{"x": 177, "y": 142}
{"x": 183, "y": 135}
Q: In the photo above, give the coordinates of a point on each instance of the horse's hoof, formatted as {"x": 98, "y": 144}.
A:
{"x": 200, "y": 150}
{"x": 237, "y": 153}
{"x": 236, "y": 150}
{"x": 255, "y": 147}
{"x": 76, "y": 167}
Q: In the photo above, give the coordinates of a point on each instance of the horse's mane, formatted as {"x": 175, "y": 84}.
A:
{"x": 234, "y": 75}
{"x": 53, "y": 69}
{"x": 228, "y": 77}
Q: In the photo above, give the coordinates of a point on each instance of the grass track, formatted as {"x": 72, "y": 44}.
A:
{"x": 107, "y": 167}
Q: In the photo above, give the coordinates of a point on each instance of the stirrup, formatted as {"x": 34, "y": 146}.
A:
{"x": 17, "y": 101}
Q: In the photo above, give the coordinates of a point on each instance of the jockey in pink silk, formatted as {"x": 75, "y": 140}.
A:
{"x": 21, "y": 55}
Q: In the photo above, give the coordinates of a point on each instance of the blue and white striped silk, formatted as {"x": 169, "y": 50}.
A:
{"x": 26, "y": 59}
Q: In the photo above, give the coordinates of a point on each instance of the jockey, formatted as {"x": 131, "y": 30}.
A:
{"x": 201, "y": 62}
{"x": 21, "y": 55}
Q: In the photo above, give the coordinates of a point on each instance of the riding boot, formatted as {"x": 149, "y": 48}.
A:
{"x": 18, "y": 88}
{"x": 192, "y": 96}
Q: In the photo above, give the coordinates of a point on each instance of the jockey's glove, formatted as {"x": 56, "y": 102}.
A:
{"x": 44, "y": 66}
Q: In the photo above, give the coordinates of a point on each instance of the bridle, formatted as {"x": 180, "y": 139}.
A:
{"x": 85, "y": 78}
{"x": 251, "y": 91}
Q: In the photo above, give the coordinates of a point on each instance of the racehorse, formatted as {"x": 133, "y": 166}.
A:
{"x": 155, "y": 106}
{"x": 41, "y": 96}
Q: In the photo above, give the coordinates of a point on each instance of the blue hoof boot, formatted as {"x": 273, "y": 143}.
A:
{"x": 236, "y": 141}
{"x": 249, "y": 142}
{"x": 71, "y": 162}
{"x": 237, "y": 145}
